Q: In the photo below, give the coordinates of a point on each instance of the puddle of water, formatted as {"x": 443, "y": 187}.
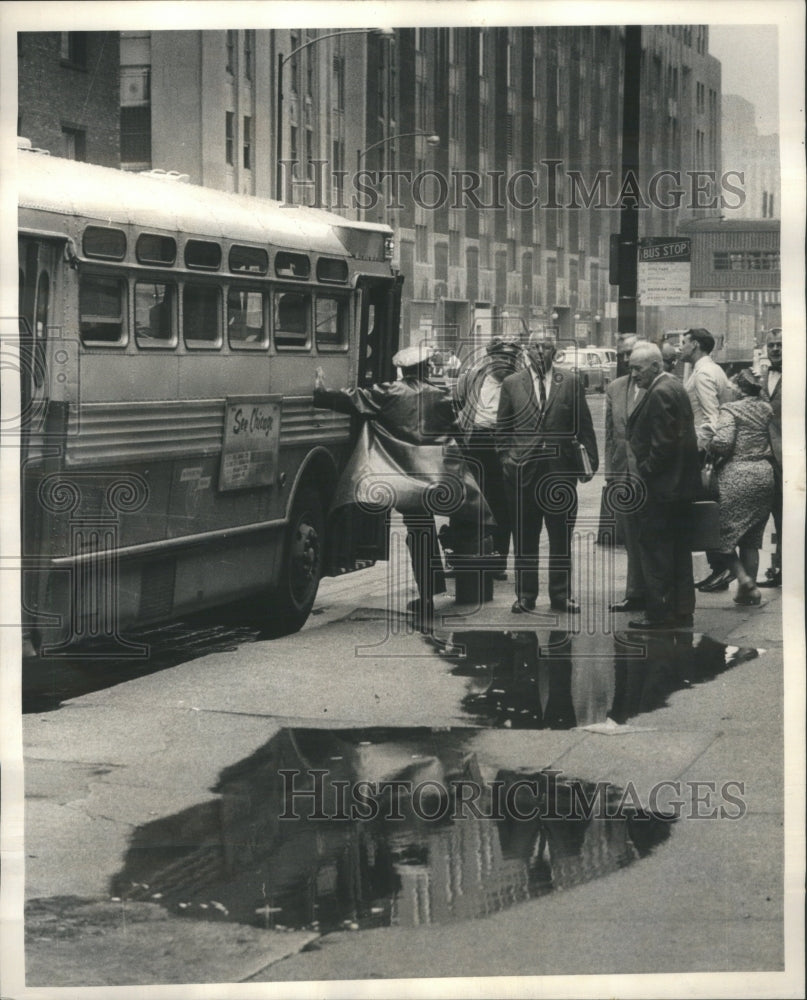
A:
{"x": 426, "y": 856}
{"x": 534, "y": 680}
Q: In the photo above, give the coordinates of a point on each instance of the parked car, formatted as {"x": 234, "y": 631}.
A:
{"x": 596, "y": 366}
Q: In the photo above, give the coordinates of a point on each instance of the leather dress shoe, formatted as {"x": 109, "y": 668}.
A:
{"x": 523, "y": 605}
{"x": 716, "y": 581}
{"x": 774, "y": 580}
{"x": 629, "y": 604}
{"x": 569, "y": 606}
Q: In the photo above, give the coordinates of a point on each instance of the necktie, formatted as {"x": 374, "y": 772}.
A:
{"x": 541, "y": 394}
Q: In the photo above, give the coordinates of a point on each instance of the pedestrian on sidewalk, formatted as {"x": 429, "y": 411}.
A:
{"x": 621, "y": 397}
{"x": 543, "y": 417}
{"x": 745, "y": 482}
{"x": 478, "y": 402}
{"x": 708, "y": 388}
{"x": 664, "y": 453}
{"x": 407, "y": 453}
{"x": 772, "y": 393}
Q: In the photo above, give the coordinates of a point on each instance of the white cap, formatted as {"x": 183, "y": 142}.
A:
{"x": 417, "y": 354}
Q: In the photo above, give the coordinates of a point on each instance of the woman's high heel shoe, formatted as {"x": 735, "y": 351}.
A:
{"x": 748, "y": 594}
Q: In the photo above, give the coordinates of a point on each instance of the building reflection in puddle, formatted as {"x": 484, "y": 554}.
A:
{"x": 526, "y": 833}
{"x": 534, "y": 680}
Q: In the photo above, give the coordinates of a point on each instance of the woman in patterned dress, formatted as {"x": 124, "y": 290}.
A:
{"x": 745, "y": 482}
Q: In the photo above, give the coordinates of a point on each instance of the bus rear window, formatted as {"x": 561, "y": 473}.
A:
{"x": 292, "y": 265}
{"x": 154, "y": 314}
{"x": 102, "y": 310}
{"x": 292, "y": 320}
{"x": 249, "y": 259}
{"x": 103, "y": 243}
{"x": 331, "y": 324}
{"x": 201, "y": 316}
{"x": 154, "y": 249}
{"x": 203, "y": 254}
{"x": 245, "y": 325}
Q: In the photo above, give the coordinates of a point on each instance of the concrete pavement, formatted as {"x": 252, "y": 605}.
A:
{"x": 709, "y": 900}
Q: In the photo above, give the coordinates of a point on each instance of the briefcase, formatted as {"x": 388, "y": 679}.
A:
{"x": 704, "y": 525}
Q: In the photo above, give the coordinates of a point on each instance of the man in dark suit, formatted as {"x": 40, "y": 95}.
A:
{"x": 542, "y": 416}
{"x": 621, "y": 396}
{"x": 772, "y": 392}
{"x": 664, "y": 453}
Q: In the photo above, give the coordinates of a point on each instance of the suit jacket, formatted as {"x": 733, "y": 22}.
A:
{"x": 707, "y": 387}
{"x": 524, "y": 438}
{"x": 617, "y": 399}
{"x": 661, "y": 435}
{"x": 775, "y": 426}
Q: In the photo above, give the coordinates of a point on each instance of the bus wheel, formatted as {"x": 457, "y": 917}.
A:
{"x": 293, "y": 597}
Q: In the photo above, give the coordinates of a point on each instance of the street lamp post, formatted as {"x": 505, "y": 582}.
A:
{"x": 281, "y": 62}
{"x": 431, "y": 140}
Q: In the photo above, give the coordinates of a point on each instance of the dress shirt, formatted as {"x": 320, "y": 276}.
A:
{"x": 487, "y": 406}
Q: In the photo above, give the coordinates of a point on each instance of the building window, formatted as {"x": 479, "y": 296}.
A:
{"x": 746, "y": 260}
{"x": 294, "y": 42}
{"x": 422, "y": 97}
{"x": 135, "y": 135}
{"x": 247, "y": 142}
{"x": 294, "y": 151}
{"x": 229, "y": 138}
{"x": 249, "y": 49}
{"x": 421, "y": 243}
{"x": 229, "y": 65}
{"x": 74, "y": 48}
{"x": 339, "y": 83}
{"x": 75, "y": 143}
{"x": 308, "y": 170}
{"x": 454, "y": 247}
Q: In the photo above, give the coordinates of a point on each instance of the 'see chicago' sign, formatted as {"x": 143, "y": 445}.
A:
{"x": 258, "y": 422}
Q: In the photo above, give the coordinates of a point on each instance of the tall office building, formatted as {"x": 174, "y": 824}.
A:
{"x": 495, "y": 153}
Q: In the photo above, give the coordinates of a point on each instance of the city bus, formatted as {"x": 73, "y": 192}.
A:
{"x": 172, "y": 460}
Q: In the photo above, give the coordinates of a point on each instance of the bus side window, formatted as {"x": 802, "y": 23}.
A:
{"x": 154, "y": 314}
{"x": 102, "y": 308}
{"x": 331, "y": 323}
{"x": 201, "y": 319}
{"x": 292, "y": 320}
{"x": 245, "y": 319}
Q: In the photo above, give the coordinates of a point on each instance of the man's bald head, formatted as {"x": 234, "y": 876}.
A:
{"x": 669, "y": 355}
{"x": 645, "y": 364}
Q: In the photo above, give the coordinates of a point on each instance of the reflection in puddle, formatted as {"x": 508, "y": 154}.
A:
{"x": 498, "y": 837}
{"x": 532, "y": 680}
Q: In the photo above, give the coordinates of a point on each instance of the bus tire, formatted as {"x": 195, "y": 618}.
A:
{"x": 291, "y": 600}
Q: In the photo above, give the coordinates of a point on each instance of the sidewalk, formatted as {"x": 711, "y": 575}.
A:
{"x": 709, "y": 899}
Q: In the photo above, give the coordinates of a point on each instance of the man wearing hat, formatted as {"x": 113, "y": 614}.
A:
{"x": 405, "y": 450}
{"x": 543, "y": 417}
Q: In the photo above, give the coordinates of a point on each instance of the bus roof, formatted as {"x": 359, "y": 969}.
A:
{"x": 67, "y": 187}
